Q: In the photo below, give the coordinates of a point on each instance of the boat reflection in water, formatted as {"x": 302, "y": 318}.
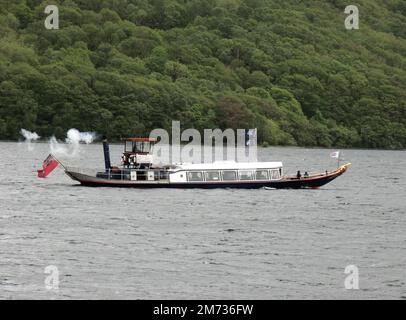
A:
{"x": 138, "y": 171}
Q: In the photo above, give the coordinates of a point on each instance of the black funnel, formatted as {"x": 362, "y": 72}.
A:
{"x": 106, "y": 150}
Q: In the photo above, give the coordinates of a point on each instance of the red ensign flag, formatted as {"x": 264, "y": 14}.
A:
{"x": 48, "y": 166}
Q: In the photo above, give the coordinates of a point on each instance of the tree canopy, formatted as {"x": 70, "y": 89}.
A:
{"x": 289, "y": 68}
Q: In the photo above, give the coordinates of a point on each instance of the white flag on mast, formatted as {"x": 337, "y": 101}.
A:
{"x": 335, "y": 155}
{"x": 251, "y": 137}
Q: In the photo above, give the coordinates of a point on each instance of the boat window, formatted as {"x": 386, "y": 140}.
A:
{"x": 275, "y": 175}
{"x": 141, "y": 146}
{"x": 229, "y": 175}
{"x": 261, "y": 175}
{"x": 245, "y": 175}
{"x": 163, "y": 175}
{"x": 128, "y": 146}
{"x": 195, "y": 176}
{"x": 213, "y": 176}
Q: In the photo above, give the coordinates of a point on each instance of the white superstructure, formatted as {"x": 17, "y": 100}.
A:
{"x": 226, "y": 171}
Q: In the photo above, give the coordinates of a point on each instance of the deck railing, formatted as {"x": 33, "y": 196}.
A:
{"x": 122, "y": 173}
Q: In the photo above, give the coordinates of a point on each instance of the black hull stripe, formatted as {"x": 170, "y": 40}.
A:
{"x": 311, "y": 182}
{"x": 284, "y": 184}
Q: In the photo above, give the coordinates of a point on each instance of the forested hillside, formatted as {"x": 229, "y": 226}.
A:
{"x": 286, "y": 67}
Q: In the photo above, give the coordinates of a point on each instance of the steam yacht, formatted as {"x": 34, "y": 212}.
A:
{"x": 138, "y": 171}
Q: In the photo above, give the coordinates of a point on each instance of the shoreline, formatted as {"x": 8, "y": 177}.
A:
{"x": 259, "y": 146}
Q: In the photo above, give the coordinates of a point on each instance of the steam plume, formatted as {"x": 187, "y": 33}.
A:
{"x": 29, "y": 138}
{"x": 73, "y": 139}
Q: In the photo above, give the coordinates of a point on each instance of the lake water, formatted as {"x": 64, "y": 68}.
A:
{"x": 203, "y": 244}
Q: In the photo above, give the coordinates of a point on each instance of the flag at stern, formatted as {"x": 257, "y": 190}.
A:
{"x": 49, "y": 164}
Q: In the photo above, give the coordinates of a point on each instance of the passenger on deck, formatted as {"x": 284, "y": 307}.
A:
{"x": 306, "y": 175}
{"x": 298, "y": 175}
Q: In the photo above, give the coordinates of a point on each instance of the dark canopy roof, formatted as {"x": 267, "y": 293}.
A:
{"x": 140, "y": 139}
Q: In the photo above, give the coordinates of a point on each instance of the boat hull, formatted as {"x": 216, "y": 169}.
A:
{"x": 312, "y": 182}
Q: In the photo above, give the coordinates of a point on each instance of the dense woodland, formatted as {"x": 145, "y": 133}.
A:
{"x": 286, "y": 67}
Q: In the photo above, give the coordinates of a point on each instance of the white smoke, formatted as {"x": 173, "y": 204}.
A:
{"x": 58, "y": 148}
{"x": 29, "y": 138}
{"x": 72, "y": 143}
{"x": 74, "y": 136}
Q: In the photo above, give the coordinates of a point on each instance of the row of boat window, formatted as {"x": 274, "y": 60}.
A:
{"x": 233, "y": 175}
